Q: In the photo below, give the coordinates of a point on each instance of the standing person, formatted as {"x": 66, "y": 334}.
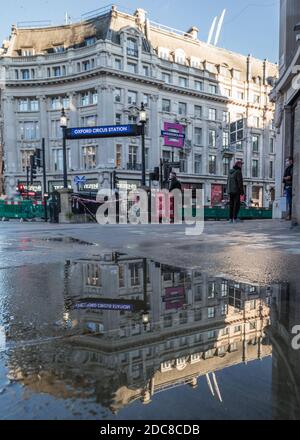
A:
{"x": 174, "y": 182}
{"x": 288, "y": 186}
{"x": 235, "y": 189}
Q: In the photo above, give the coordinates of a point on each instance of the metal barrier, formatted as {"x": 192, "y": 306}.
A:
{"x": 218, "y": 213}
{"x": 22, "y": 210}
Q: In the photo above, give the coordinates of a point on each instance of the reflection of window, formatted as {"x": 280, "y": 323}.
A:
{"x": 237, "y": 329}
{"x": 198, "y": 293}
{"x": 198, "y": 315}
{"x": 121, "y": 276}
{"x": 233, "y": 347}
{"x": 134, "y": 274}
{"x": 167, "y": 321}
{"x": 183, "y": 318}
{"x": 224, "y": 309}
{"x": 211, "y": 334}
{"x": 93, "y": 275}
{"x": 224, "y": 288}
{"x": 211, "y": 312}
{"x": 253, "y": 325}
{"x": 224, "y": 332}
{"x": 211, "y": 290}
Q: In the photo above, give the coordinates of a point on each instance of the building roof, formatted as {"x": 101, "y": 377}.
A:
{"x": 108, "y": 27}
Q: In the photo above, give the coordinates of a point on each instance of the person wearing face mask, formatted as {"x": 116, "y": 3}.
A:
{"x": 288, "y": 186}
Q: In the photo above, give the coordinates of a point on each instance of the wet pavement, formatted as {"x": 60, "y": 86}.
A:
{"x": 106, "y": 324}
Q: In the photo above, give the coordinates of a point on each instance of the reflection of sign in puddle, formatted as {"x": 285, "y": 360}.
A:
{"x": 2, "y": 339}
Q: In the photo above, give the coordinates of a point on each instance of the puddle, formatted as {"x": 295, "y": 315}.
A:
{"x": 120, "y": 337}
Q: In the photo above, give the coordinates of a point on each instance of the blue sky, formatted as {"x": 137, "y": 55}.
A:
{"x": 249, "y": 26}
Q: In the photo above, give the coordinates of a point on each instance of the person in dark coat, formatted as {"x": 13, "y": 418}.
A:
{"x": 174, "y": 182}
{"x": 235, "y": 189}
{"x": 288, "y": 186}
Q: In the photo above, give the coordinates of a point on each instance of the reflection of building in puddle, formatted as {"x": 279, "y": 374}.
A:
{"x": 197, "y": 324}
{"x": 285, "y": 315}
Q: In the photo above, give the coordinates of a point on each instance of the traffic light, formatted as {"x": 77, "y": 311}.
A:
{"x": 167, "y": 171}
{"x": 38, "y": 155}
{"x": 32, "y": 168}
{"x": 115, "y": 180}
{"x": 154, "y": 177}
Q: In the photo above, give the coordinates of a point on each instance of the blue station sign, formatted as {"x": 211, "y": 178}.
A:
{"x": 106, "y": 131}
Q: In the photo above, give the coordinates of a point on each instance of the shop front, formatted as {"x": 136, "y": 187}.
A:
{"x": 56, "y": 185}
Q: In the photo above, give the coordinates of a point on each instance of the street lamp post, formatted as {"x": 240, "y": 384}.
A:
{"x": 63, "y": 124}
{"x": 143, "y": 121}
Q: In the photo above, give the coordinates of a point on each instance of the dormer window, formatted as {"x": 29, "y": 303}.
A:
{"x": 210, "y": 67}
{"x": 223, "y": 71}
{"x": 195, "y": 63}
{"x": 132, "y": 47}
{"x": 58, "y": 49}
{"x": 236, "y": 74}
{"x": 164, "y": 54}
{"x": 180, "y": 57}
{"x": 90, "y": 41}
{"x": 28, "y": 52}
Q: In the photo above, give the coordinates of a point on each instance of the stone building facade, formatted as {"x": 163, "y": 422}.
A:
{"x": 102, "y": 69}
{"x": 287, "y": 97}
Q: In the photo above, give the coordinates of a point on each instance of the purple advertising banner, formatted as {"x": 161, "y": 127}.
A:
{"x": 178, "y": 140}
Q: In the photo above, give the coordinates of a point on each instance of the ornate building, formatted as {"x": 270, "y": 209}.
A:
{"x": 101, "y": 70}
{"x": 287, "y": 97}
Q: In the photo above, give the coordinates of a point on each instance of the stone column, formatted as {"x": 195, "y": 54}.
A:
{"x": 45, "y": 129}
{"x": 65, "y": 204}
{"x": 296, "y": 173}
{"x": 154, "y": 133}
{"x": 73, "y": 122}
{"x": 11, "y": 154}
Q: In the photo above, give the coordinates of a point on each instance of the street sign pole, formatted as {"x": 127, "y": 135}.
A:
{"x": 27, "y": 181}
{"x": 44, "y": 179}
